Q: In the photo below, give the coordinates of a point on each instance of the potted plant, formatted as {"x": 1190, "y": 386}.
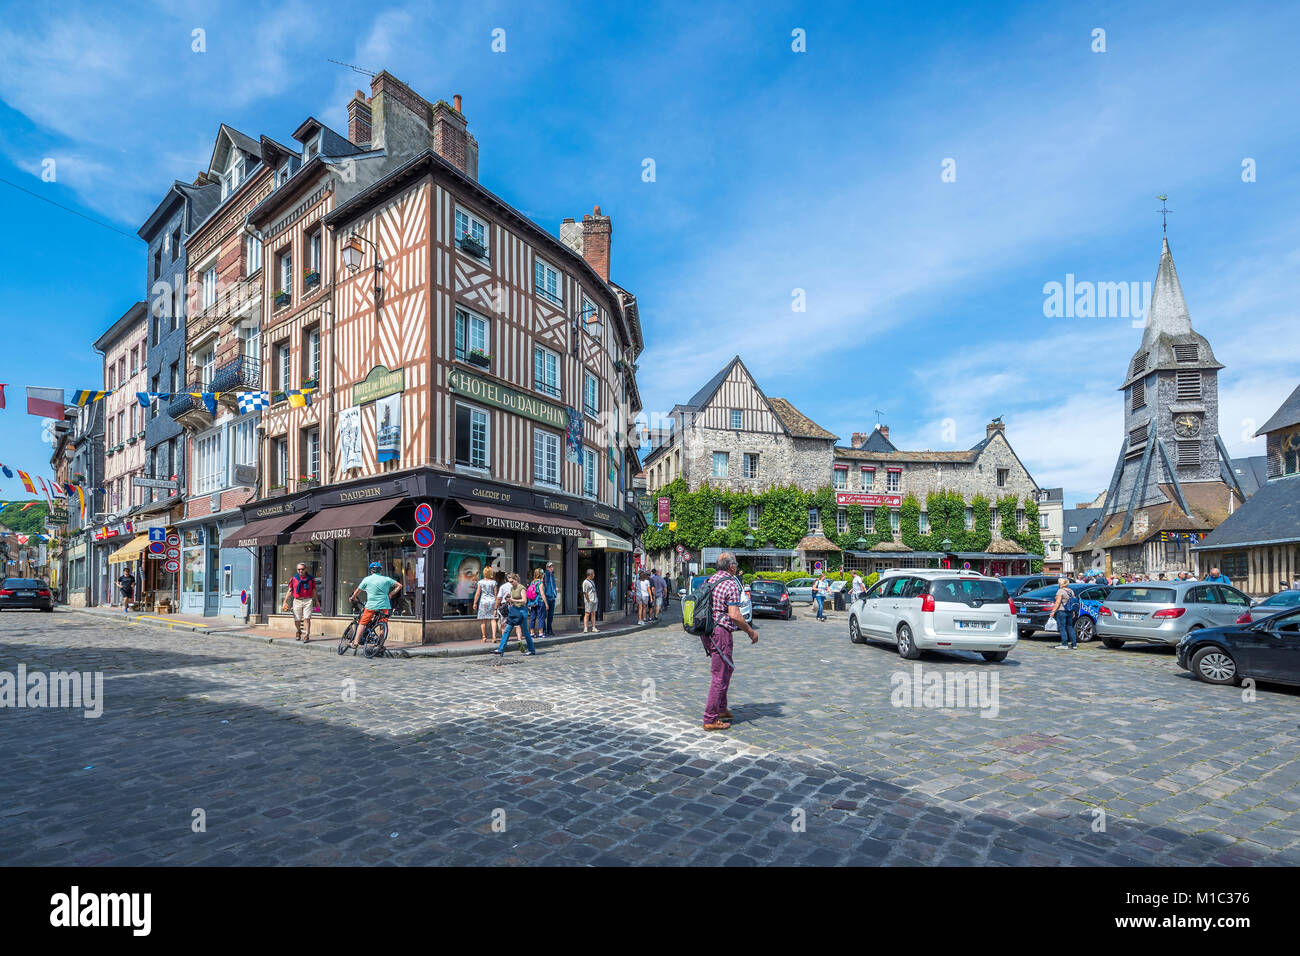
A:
{"x": 310, "y": 278}
{"x": 472, "y": 246}
{"x": 282, "y": 298}
{"x": 273, "y": 489}
{"x": 311, "y": 383}
{"x": 479, "y": 357}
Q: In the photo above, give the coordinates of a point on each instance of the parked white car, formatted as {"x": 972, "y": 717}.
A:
{"x": 940, "y": 610}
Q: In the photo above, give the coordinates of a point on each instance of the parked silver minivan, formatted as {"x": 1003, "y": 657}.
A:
{"x": 1161, "y": 612}
{"x": 932, "y": 609}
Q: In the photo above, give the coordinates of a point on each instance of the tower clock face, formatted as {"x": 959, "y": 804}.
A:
{"x": 1187, "y": 426}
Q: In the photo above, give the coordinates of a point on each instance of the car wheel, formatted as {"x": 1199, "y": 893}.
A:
{"x": 907, "y": 644}
{"x": 994, "y": 656}
{"x": 48, "y": 610}
{"x": 1026, "y": 632}
{"x": 1113, "y": 643}
{"x": 1214, "y": 666}
{"x": 855, "y": 633}
{"x": 788, "y": 614}
{"x": 1085, "y": 629}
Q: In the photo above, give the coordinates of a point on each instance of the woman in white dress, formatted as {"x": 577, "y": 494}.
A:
{"x": 485, "y": 599}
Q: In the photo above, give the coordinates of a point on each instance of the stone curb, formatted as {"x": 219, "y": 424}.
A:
{"x": 331, "y": 644}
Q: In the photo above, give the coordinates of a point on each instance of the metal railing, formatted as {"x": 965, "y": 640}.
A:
{"x": 244, "y": 372}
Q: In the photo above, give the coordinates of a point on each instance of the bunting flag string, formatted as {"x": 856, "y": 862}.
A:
{"x": 83, "y": 397}
{"x": 26, "y": 479}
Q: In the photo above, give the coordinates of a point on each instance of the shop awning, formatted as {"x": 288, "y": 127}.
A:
{"x": 516, "y": 519}
{"x": 130, "y": 551}
{"x": 348, "y": 521}
{"x": 610, "y": 542}
{"x": 258, "y": 533}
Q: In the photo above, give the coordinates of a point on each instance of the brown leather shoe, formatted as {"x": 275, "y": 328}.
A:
{"x": 718, "y": 725}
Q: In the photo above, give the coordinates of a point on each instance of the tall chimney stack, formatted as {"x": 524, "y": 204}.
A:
{"x": 859, "y": 439}
{"x": 359, "y": 119}
{"x": 884, "y": 432}
{"x": 596, "y": 235}
{"x": 994, "y": 426}
{"x": 451, "y": 139}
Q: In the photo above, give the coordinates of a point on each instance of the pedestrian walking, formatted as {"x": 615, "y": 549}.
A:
{"x": 859, "y": 588}
{"x": 1062, "y": 611}
{"x": 514, "y": 597}
{"x": 537, "y": 604}
{"x": 820, "y": 589}
{"x": 727, "y": 619}
{"x": 126, "y": 584}
{"x": 551, "y": 591}
{"x": 642, "y": 597}
{"x": 485, "y": 601}
{"x": 300, "y": 597}
{"x": 590, "y": 602}
{"x": 661, "y": 592}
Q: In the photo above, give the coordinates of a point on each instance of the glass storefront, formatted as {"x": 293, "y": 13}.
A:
{"x": 466, "y": 555}
{"x": 287, "y": 559}
{"x": 193, "y": 561}
{"x": 396, "y": 552}
{"x": 540, "y": 552}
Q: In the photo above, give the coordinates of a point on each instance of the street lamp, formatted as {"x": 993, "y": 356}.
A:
{"x": 353, "y": 254}
{"x": 861, "y": 543}
{"x": 946, "y": 544}
{"x": 749, "y": 541}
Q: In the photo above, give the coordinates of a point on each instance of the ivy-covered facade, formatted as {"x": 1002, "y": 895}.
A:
{"x": 781, "y": 522}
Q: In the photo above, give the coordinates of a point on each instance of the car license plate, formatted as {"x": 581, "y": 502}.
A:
{"x": 27, "y": 594}
{"x": 1129, "y": 617}
{"x": 974, "y": 625}
{"x": 1024, "y": 620}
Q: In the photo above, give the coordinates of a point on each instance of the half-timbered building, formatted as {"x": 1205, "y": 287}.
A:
{"x": 471, "y": 361}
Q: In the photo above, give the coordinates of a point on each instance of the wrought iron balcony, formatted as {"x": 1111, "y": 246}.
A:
{"x": 188, "y": 410}
{"x": 244, "y": 374}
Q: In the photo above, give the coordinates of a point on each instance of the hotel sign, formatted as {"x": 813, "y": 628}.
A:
{"x": 380, "y": 383}
{"x": 507, "y": 399}
{"x": 868, "y": 501}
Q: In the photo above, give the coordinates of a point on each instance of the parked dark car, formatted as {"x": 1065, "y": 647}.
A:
{"x": 1023, "y": 584}
{"x": 1032, "y": 608}
{"x": 1267, "y": 649}
{"x": 771, "y": 597}
{"x": 25, "y": 593}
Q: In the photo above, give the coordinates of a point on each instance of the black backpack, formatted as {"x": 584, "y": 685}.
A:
{"x": 1072, "y": 604}
{"x": 702, "y": 622}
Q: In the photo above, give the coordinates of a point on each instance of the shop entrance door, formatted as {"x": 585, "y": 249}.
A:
{"x": 589, "y": 559}
{"x": 213, "y": 578}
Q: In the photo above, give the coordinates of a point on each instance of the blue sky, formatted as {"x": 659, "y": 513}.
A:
{"x": 774, "y": 171}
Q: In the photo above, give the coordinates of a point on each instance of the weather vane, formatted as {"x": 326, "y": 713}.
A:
{"x": 1164, "y": 213}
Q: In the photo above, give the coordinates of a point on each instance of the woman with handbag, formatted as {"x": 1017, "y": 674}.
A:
{"x": 1063, "y": 618}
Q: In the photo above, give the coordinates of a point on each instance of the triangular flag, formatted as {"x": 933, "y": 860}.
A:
{"x": 26, "y": 479}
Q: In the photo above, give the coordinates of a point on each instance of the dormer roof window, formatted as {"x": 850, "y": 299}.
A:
{"x": 311, "y": 149}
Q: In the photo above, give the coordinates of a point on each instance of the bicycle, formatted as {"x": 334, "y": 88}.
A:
{"x": 373, "y": 638}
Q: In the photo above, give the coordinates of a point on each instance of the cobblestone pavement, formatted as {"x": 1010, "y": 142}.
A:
{"x": 592, "y": 754}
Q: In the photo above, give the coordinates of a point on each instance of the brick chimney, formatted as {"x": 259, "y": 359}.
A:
{"x": 884, "y": 431}
{"x": 596, "y": 234}
{"x": 359, "y": 119}
{"x": 994, "y": 426}
{"x": 859, "y": 439}
{"x": 451, "y": 139}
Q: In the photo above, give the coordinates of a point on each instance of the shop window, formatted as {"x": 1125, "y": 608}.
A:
{"x": 396, "y": 553}
{"x": 287, "y": 559}
{"x": 539, "y": 552}
{"x": 463, "y": 563}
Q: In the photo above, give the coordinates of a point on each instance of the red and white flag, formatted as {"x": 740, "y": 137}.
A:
{"x": 45, "y": 402}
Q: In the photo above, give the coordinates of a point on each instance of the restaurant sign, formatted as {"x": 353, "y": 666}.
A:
{"x": 868, "y": 501}
{"x": 380, "y": 383}
{"x": 507, "y": 399}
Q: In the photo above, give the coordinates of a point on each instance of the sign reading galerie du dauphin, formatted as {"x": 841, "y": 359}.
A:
{"x": 490, "y": 393}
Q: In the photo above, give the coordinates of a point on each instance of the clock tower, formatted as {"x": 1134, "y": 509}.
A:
{"x": 1173, "y": 473}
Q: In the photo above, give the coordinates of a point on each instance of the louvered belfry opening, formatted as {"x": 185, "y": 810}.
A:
{"x": 1186, "y": 353}
{"x": 1189, "y": 385}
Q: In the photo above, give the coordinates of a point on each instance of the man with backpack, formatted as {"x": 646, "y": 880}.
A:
{"x": 716, "y": 622}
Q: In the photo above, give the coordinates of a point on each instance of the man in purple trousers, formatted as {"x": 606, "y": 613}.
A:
{"x": 727, "y": 620}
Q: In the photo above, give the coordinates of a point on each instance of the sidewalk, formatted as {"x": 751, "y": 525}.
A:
{"x": 228, "y": 628}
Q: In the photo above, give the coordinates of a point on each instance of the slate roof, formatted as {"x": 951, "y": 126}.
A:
{"x": 701, "y": 398}
{"x": 797, "y": 423}
{"x": 1080, "y": 518}
{"x": 1168, "y": 324}
{"x": 863, "y": 454}
{"x": 1271, "y": 516}
{"x": 1207, "y": 500}
{"x": 1251, "y": 473}
{"x": 1286, "y": 416}
{"x": 877, "y": 441}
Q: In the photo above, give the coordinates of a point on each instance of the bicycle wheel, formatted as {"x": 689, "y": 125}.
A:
{"x": 375, "y": 637}
{"x": 346, "y": 639}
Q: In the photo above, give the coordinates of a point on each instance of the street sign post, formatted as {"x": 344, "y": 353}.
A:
{"x": 423, "y": 513}
{"x": 423, "y": 537}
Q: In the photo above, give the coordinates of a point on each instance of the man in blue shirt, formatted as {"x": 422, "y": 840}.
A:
{"x": 1216, "y": 577}
{"x": 549, "y": 589}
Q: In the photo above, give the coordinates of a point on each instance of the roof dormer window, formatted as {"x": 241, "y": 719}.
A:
{"x": 311, "y": 149}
